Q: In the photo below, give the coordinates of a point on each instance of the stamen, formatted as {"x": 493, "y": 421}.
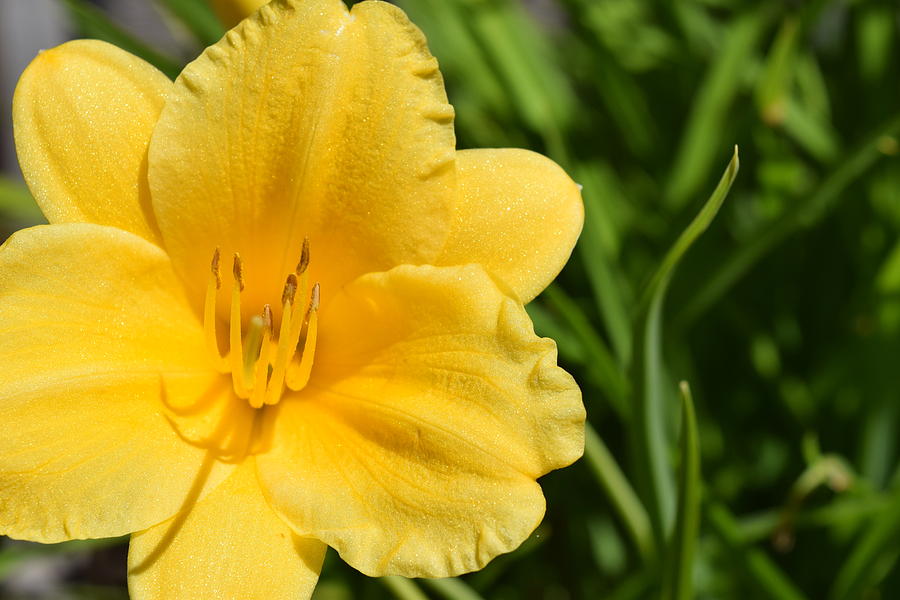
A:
{"x": 209, "y": 315}
{"x": 261, "y": 366}
{"x": 236, "y": 352}
{"x": 287, "y": 340}
{"x": 298, "y": 373}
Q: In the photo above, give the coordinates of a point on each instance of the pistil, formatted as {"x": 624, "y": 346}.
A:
{"x": 258, "y": 361}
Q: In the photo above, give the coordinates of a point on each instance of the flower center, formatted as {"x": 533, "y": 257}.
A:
{"x": 262, "y": 362}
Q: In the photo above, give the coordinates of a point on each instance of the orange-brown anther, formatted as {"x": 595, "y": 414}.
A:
{"x": 238, "y": 270}
{"x": 313, "y": 299}
{"x": 214, "y": 267}
{"x": 304, "y": 258}
{"x": 290, "y": 289}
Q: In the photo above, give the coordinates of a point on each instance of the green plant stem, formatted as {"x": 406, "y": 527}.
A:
{"x": 620, "y": 493}
{"x": 452, "y": 588}
{"x": 609, "y": 376}
{"x": 678, "y": 576}
{"x": 403, "y": 588}
{"x": 651, "y": 435}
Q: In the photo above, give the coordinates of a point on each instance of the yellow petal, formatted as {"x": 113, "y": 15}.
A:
{"x": 518, "y": 214}
{"x": 230, "y": 545}
{"x": 432, "y": 409}
{"x": 232, "y": 11}
{"x": 83, "y": 114}
{"x": 306, "y": 120}
{"x": 94, "y": 325}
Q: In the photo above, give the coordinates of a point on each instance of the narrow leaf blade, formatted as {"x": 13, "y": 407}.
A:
{"x": 684, "y": 541}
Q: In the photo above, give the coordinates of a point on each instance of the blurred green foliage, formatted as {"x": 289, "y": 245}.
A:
{"x": 784, "y": 316}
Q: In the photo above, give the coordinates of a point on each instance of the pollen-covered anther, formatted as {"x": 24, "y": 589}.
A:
{"x": 209, "y": 315}
{"x": 261, "y": 362}
{"x": 304, "y": 258}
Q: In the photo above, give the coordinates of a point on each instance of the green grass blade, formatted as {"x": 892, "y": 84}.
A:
{"x": 634, "y": 587}
{"x": 804, "y": 214}
{"x": 678, "y": 577}
{"x": 814, "y": 135}
{"x": 600, "y": 264}
{"x": 701, "y": 140}
{"x": 812, "y": 88}
{"x": 809, "y": 127}
{"x": 93, "y": 23}
{"x": 871, "y": 557}
{"x": 879, "y": 442}
{"x": 651, "y": 427}
{"x": 603, "y": 366}
{"x": 875, "y": 36}
{"x": 452, "y": 588}
{"x": 620, "y": 493}
{"x": 198, "y": 17}
{"x": 524, "y": 60}
{"x": 547, "y": 325}
{"x": 651, "y": 441}
{"x": 700, "y": 223}
{"x": 402, "y": 588}
{"x": 627, "y": 105}
{"x": 769, "y": 579}
{"x": 450, "y": 38}
{"x": 773, "y": 89}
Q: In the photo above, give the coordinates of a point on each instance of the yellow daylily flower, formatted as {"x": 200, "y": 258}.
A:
{"x": 232, "y": 11}
{"x": 276, "y": 310}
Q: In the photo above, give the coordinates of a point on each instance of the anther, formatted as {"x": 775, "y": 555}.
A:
{"x": 304, "y": 257}
{"x": 238, "y": 270}
{"x": 267, "y": 315}
{"x": 314, "y": 299}
{"x": 214, "y": 267}
{"x": 290, "y": 289}
{"x": 209, "y": 315}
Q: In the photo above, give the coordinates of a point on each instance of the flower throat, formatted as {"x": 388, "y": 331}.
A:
{"x": 262, "y": 363}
